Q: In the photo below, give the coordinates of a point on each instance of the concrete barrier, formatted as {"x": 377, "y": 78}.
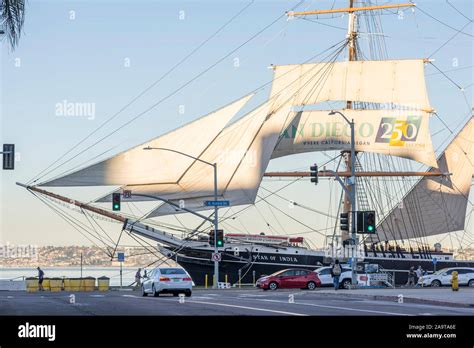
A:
{"x": 103, "y": 283}
{"x": 56, "y": 284}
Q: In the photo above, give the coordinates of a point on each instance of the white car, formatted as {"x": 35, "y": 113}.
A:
{"x": 167, "y": 280}
{"x": 443, "y": 277}
{"x": 345, "y": 280}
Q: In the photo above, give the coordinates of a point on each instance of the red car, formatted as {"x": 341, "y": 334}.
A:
{"x": 290, "y": 279}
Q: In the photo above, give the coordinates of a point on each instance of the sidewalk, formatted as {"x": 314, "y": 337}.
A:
{"x": 437, "y": 296}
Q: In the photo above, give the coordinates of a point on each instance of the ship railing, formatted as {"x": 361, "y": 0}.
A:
{"x": 20, "y": 277}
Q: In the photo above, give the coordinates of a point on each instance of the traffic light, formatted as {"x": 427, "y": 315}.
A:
{"x": 220, "y": 238}
{"x": 8, "y": 156}
{"x": 366, "y": 221}
{"x": 370, "y": 221}
{"x": 344, "y": 221}
{"x": 116, "y": 201}
{"x": 212, "y": 240}
{"x": 314, "y": 173}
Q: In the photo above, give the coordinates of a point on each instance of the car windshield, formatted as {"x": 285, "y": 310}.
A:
{"x": 441, "y": 271}
{"x": 169, "y": 271}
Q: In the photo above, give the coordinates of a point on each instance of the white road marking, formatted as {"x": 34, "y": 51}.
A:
{"x": 9, "y": 296}
{"x": 245, "y": 307}
{"x": 203, "y": 297}
{"x": 97, "y": 295}
{"x": 131, "y": 296}
{"x": 341, "y": 308}
{"x": 251, "y": 295}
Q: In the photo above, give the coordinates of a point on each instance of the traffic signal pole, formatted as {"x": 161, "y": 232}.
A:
{"x": 352, "y": 183}
{"x": 216, "y": 226}
{"x": 352, "y": 196}
{"x": 215, "y": 221}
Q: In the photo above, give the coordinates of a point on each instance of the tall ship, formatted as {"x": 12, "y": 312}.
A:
{"x": 213, "y": 169}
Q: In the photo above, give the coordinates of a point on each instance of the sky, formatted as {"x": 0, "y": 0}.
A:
{"x": 104, "y": 53}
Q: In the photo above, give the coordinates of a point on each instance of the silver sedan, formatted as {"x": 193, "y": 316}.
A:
{"x": 167, "y": 280}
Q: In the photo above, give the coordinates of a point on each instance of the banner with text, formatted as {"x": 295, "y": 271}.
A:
{"x": 402, "y": 133}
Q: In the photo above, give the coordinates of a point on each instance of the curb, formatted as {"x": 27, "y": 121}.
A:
{"x": 407, "y": 300}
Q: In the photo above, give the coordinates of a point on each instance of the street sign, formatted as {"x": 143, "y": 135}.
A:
{"x": 435, "y": 260}
{"x": 216, "y": 203}
{"x": 127, "y": 194}
{"x": 121, "y": 257}
{"x": 216, "y": 257}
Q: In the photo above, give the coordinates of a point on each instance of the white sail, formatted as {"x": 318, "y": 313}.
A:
{"x": 436, "y": 205}
{"x": 136, "y": 166}
{"x": 391, "y": 132}
{"x": 242, "y": 152}
{"x": 400, "y": 82}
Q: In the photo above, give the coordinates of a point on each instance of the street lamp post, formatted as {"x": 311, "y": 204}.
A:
{"x": 216, "y": 217}
{"x": 352, "y": 184}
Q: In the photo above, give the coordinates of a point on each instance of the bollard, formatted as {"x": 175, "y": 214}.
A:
{"x": 226, "y": 279}
{"x": 253, "y": 275}
{"x": 205, "y": 282}
{"x": 214, "y": 281}
{"x": 240, "y": 280}
{"x": 455, "y": 281}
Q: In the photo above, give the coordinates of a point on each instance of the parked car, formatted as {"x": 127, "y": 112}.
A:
{"x": 443, "y": 277}
{"x": 324, "y": 275}
{"x": 289, "y": 279}
{"x": 167, "y": 280}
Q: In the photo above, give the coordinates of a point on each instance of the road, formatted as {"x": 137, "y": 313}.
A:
{"x": 215, "y": 302}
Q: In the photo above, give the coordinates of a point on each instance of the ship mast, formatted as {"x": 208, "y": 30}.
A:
{"x": 349, "y": 203}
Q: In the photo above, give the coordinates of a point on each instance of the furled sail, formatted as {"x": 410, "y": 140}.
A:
{"x": 436, "y": 205}
{"x": 136, "y": 166}
{"x": 400, "y": 82}
{"x": 390, "y": 132}
{"x": 242, "y": 152}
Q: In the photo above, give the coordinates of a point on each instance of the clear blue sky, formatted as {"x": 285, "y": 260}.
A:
{"x": 84, "y": 60}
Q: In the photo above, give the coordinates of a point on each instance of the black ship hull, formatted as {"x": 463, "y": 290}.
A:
{"x": 248, "y": 267}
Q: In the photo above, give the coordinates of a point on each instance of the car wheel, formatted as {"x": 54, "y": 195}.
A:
{"x": 273, "y": 286}
{"x": 143, "y": 291}
{"x": 346, "y": 284}
{"x": 155, "y": 293}
{"x": 435, "y": 283}
{"x": 188, "y": 293}
{"x": 311, "y": 286}
{"x": 471, "y": 283}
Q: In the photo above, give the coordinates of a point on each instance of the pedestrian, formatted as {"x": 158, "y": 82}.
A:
{"x": 419, "y": 272}
{"x": 138, "y": 276}
{"x": 145, "y": 275}
{"x": 40, "y": 279}
{"x": 336, "y": 271}
{"x": 411, "y": 277}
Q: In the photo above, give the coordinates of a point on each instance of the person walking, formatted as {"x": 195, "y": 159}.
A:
{"x": 411, "y": 277}
{"x": 40, "y": 279}
{"x": 138, "y": 277}
{"x": 336, "y": 272}
{"x": 419, "y": 273}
